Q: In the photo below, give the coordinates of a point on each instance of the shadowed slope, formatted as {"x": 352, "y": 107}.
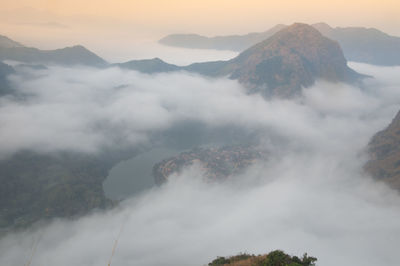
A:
{"x": 384, "y": 149}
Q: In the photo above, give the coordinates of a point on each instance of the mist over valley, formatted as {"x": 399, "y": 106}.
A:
{"x": 155, "y": 162}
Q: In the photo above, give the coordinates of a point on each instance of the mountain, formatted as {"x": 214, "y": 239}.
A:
{"x": 6, "y": 42}
{"x": 367, "y": 45}
{"x": 232, "y": 42}
{"x": 149, "y": 66}
{"x": 384, "y": 150}
{"x": 292, "y": 58}
{"x": 5, "y": 70}
{"x": 37, "y": 187}
{"x": 75, "y": 55}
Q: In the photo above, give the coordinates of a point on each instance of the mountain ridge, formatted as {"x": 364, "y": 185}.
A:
{"x": 71, "y": 55}
{"x": 6, "y": 42}
{"x": 292, "y": 58}
{"x": 219, "y": 42}
{"x": 149, "y": 66}
{"x": 366, "y": 45}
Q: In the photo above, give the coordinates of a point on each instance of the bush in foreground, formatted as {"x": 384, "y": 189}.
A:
{"x": 274, "y": 258}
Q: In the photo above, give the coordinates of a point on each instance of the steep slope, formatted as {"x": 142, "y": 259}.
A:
{"x": 75, "y": 55}
{"x": 384, "y": 150}
{"x": 359, "y": 44}
{"x": 291, "y": 59}
{"x": 364, "y": 45}
{"x": 6, "y": 42}
{"x": 149, "y": 66}
{"x": 43, "y": 186}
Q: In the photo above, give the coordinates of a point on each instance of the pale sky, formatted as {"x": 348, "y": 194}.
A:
{"x": 104, "y": 25}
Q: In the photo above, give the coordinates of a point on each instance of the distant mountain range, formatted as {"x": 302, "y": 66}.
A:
{"x": 236, "y": 43}
{"x": 359, "y": 44}
{"x": 75, "y": 55}
{"x": 292, "y": 58}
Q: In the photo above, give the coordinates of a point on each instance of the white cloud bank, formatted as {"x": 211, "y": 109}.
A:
{"x": 310, "y": 196}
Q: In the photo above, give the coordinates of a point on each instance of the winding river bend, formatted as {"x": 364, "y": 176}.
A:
{"x": 133, "y": 176}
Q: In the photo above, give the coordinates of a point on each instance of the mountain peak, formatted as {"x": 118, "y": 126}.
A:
{"x": 149, "y": 66}
{"x": 297, "y": 34}
{"x": 77, "y": 47}
{"x": 293, "y": 58}
{"x": 299, "y": 27}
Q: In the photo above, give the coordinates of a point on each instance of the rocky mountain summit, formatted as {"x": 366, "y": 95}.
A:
{"x": 291, "y": 59}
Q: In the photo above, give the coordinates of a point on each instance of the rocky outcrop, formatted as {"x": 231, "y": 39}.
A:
{"x": 217, "y": 163}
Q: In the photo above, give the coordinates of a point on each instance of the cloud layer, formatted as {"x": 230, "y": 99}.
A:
{"x": 310, "y": 196}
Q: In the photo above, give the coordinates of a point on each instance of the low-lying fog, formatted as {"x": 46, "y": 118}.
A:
{"x": 144, "y": 49}
{"x": 311, "y": 195}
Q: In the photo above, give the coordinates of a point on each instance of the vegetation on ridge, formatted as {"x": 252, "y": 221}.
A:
{"x": 274, "y": 258}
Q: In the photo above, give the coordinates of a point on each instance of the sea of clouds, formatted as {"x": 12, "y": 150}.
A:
{"x": 311, "y": 195}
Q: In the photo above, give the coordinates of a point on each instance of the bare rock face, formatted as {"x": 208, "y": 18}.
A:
{"x": 293, "y": 58}
{"x": 384, "y": 150}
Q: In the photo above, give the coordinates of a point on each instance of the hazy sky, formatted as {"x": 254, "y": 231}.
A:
{"x": 120, "y": 25}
